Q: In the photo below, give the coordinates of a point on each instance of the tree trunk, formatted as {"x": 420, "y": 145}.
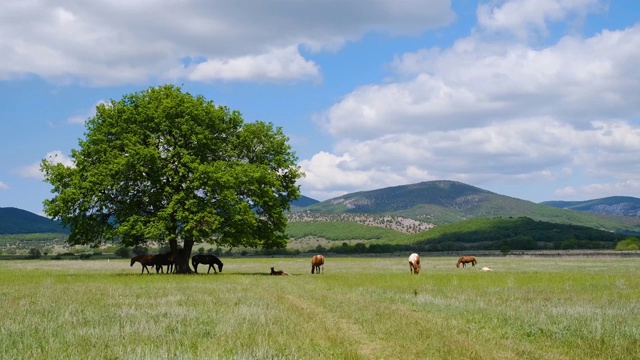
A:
{"x": 181, "y": 256}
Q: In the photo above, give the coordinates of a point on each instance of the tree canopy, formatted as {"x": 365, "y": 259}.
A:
{"x": 163, "y": 165}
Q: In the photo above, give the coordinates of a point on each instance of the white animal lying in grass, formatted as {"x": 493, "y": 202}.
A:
{"x": 486, "y": 269}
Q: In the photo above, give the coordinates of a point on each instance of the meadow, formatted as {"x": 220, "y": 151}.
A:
{"x": 360, "y": 308}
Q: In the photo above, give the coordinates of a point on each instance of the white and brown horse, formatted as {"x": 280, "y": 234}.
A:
{"x": 278, "y": 272}
{"x": 317, "y": 263}
{"x": 464, "y": 260}
{"x": 414, "y": 263}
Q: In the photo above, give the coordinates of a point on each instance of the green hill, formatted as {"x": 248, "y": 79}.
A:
{"x": 17, "y": 221}
{"x": 302, "y": 202}
{"x": 444, "y": 202}
{"x": 475, "y": 234}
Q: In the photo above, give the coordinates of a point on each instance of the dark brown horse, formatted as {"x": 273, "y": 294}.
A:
{"x": 317, "y": 262}
{"x": 144, "y": 260}
{"x": 464, "y": 260}
{"x": 414, "y": 263}
{"x": 161, "y": 260}
{"x": 206, "y": 259}
{"x": 278, "y": 272}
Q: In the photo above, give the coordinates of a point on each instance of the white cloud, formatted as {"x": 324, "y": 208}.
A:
{"x": 3, "y": 186}
{"x": 475, "y": 82}
{"x": 599, "y": 190}
{"x": 277, "y": 65}
{"x": 113, "y": 42}
{"x": 490, "y": 109}
{"x": 33, "y": 170}
{"x": 523, "y": 18}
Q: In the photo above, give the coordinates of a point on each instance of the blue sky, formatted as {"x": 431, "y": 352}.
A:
{"x": 535, "y": 99}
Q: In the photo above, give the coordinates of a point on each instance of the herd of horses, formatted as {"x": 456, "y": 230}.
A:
{"x": 160, "y": 260}
{"x": 317, "y": 263}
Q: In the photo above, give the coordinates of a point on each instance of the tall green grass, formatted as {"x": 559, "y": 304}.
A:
{"x": 360, "y": 308}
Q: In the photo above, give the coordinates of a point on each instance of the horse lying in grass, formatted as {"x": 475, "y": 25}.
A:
{"x": 278, "y": 272}
{"x": 414, "y": 263}
{"x": 464, "y": 260}
{"x": 317, "y": 262}
{"x": 206, "y": 259}
{"x": 144, "y": 260}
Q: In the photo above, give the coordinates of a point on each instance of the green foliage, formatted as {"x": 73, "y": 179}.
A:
{"x": 33, "y": 238}
{"x": 34, "y": 253}
{"x": 164, "y": 165}
{"x": 123, "y": 252}
{"x": 340, "y": 231}
{"x": 628, "y": 244}
{"x": 140, "y": 250}
{"x": 519, "y": 233}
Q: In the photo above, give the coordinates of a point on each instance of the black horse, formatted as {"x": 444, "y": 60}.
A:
{"x": 206, "y": 259}
{"x": 163, "y": 259}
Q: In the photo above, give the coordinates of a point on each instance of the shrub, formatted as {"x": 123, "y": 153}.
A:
{"x": 123, "y": 252}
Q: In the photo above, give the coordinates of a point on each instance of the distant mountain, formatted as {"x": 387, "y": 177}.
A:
{"x": 303, "y": 201}
{"x": 17, "y": 221}
{"x": 443, "y": 202}
{"x": 614, "y": 205}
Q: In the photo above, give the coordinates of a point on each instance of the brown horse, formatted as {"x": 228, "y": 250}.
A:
{"x": 414, "y": 263}
{"x": 161, "y": 260}
{"x": 144, "y": 260}
{"x": 464, "y": 260}
{"x": 317, "y": 262}
{"x": 278, "y": 272}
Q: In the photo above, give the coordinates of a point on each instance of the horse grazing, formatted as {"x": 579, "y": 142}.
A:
{"x": 278, "y": 272}
{"x": 206, "y": 259}
{"x": 144, "y": 260}
{"x": 317, "y": 262}
{"x": 414, "y": 263}
{"x": 464, "y": 260}
{"x": 161, "y": 260}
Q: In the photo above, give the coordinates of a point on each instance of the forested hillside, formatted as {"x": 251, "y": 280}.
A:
{"x": 17, "y": 221}
{"x": 445, "y": 202}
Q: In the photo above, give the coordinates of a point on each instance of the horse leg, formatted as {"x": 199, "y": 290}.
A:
{"x": 195, "y": 267}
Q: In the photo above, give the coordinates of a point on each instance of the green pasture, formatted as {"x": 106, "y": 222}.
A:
{"x": 360, "y": 308}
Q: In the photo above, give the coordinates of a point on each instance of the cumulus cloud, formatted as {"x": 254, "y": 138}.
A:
{"x": 523, "y": 18}
{"x": 599, "y": 190}
{"x": 33, "y": 170}
{"x": 277, "y": 65}
{"x": 3, "y": 186}
{"x": 108, "y": 42}
{"x": 492, "y": 108}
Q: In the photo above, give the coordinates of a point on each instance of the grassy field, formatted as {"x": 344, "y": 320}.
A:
{"x": 360, "y": 308}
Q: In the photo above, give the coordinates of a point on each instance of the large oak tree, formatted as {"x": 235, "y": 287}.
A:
{"x": 163, "y": 165}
